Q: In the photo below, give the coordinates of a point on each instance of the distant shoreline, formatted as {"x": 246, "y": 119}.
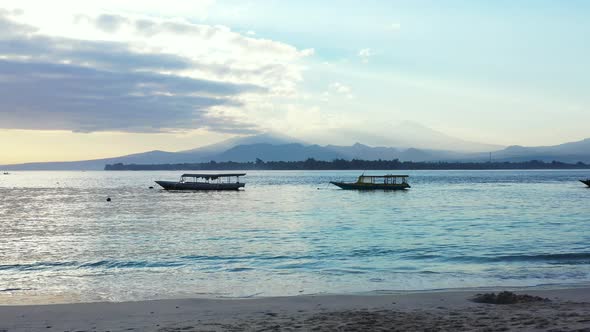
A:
{"x": 342, "y": 164}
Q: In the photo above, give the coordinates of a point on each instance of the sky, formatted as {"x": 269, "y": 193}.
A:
{"x": 92, "y": 79}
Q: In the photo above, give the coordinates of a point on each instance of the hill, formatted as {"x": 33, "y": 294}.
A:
{"x": 271, "y": 147}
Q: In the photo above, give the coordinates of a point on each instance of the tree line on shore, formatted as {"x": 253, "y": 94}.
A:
{"x": 343, "y": 164}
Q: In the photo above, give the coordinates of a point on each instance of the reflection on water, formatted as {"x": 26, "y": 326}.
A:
{"x": 287, "y": 233}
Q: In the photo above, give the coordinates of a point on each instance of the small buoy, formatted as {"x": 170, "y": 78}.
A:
{"x": 108, "y": 199}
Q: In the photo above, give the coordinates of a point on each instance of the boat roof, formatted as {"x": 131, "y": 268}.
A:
{"x": 211, "y": 176}
{"x": 385, "y": 176}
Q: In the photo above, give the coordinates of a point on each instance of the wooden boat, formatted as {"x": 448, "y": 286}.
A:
{"x": 372, "y": 182}
{"x": 205, "y": 182}
{"x": 586, "y": 182}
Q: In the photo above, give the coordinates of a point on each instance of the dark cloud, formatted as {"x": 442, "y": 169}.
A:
{"x": 53, "y": 96}
{"x": 103, "y": 87}
{"x": 100, "y": 53}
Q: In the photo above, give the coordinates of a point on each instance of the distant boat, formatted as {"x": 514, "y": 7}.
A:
{"x": 586, "y": 182}
{"x": 226, "y": 181}
{"x": 6, "y": 173}
{"x": 372, "y": 182}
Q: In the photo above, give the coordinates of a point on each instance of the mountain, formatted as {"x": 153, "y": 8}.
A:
{"x": 297, "y": 152}
{"x": 150, "y": 157}
{"x": 265, "y": 138}
{"x": 196, "y": 155}
{"x": 361, "y": 151}
{"x": 272, "y": 147}
{"x": 571, "y": 152}
{"x": 284, "y": 152}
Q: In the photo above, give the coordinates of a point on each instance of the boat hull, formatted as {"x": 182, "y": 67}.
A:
{"x": 370, "y": 186}
{"x": 586, "y": 182}
{"x": 171, "y": 185}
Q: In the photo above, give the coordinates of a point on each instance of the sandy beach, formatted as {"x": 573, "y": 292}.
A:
{"x": 567, "y": 310}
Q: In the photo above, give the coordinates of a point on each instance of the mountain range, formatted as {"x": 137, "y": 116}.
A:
{"x": 275, "y": 147}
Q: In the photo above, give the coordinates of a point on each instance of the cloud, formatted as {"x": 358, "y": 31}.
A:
{"x": 138, "y": 75}
{"x": 221, "y": 53}
{"x": 115, "y": 56}
{"x": 9, "y": 28}
{"x": 54, "y": 96}
{"x": 171, "y": 8}
{"x": 338, "y": 89}
{"x": 211, "y": 35}
{"x": 110, "y": 23}
{"x": 365, "y": 54}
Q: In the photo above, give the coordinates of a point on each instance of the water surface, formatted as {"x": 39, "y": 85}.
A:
{"x": 288, "y": 233}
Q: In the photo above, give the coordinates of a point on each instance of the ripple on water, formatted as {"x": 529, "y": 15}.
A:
{"x": 282, "y": 236}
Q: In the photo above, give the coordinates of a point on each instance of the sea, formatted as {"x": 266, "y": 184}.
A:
{"x": 288, "y": 233}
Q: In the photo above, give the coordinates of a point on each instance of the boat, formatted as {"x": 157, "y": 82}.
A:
{"x": 373, "y": 182}
{"x": 6, "y": 173}
{"x": 586, "y": 182}
{"x": 225, "y": 181}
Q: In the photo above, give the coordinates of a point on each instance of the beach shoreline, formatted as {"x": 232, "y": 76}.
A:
{"x": 446, "y": 310}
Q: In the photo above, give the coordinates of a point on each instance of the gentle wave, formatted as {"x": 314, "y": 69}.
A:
{"x": 292, "y": 262}
{"x": 130, "y": 264}
{"x": 98, "y": 265}
{"x": 563, "y": 258}
{"x": 37, "y": 266}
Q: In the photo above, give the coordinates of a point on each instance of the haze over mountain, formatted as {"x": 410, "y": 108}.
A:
{"x": 266, "y": 138}
{"x": 566, "y": 152}
{"x": 277, "y": 147}
{"x": 410, "y": 134}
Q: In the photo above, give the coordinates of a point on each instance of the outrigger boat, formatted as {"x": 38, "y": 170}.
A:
{"x": 223, "y": 181}
{"x": 586, "y": 182}
{"x": 372, "y": 182}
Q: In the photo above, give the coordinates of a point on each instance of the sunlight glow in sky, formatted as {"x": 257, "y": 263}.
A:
{"x": 82, "y": 80}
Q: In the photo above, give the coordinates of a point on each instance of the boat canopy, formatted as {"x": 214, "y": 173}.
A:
{"x": 385, "y": 176}
{"x": 212, "y": 176}
{"x": 385, "y": 179}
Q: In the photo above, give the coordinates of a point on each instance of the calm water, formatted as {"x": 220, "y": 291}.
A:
{"x": 288, "y": 233}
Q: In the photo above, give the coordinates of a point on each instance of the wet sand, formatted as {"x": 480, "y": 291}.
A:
{"x": 567, "y": 310}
